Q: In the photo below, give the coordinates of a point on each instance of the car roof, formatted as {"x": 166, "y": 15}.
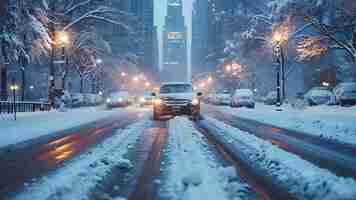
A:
{"x": 176, "y": 83}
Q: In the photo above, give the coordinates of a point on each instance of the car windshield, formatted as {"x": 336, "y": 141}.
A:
{"x": 176, "y": 88}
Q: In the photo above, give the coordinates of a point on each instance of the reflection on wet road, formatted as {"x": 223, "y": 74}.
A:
{"x": 21, "y": 165}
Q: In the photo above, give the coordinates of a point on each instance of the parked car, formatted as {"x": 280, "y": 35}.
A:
{"x": 118, "y": 99}
{"x": 222, "y": 98}
{"x": 176, "y": 98}
{"x": 271, "y": 98}
{"x": 77, "y": 100}
{"x": 243, "y": 98}
{"x": 146, "y": 100}
{"x": 319, "y": 96}
{"x": 345, "y": 93}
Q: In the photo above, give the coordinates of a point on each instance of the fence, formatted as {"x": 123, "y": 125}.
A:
{"x": 7, "y": 107}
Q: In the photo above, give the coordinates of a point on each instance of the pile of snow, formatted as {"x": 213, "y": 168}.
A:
{"x": 300, "y": 178}
{"x": 77, "y": 178}
{"x": 192, "y": 171}
{"x": 332, "y": 122}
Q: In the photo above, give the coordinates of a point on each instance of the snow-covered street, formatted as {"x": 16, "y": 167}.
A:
{"x": 177, "y": 158}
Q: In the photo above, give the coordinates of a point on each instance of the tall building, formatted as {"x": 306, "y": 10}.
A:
{"x": 199, "y": 50}
{"x": 145, "y": 11}
{"x": 175, "y": 65}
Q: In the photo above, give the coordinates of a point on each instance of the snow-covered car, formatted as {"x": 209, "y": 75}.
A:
{"x": 319, "y": 96}
{"x": 271, "y": 98}
{"x": 77, "y": 99}
{"x": 176, "y": 98}
{"x": 223, "y": 98}
{"x": 243, "y": 98}
{"x": 345, "y": 93}
{"x": 118, "y": 99}
{"x": 146, "y": 100}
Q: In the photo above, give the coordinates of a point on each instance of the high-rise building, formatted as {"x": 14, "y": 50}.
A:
{"x": 175, "y": 65}
{"x": 199, "y": 51}
{"x": 145, "y": 11}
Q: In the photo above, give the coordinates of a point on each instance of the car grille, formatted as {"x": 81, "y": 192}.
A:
{"x": 169, "y": 101}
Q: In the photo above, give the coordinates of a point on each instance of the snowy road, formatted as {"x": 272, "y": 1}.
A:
{"x": 329, "y": 154}
{"x": 219, "y": 157}
{"x": 45, "y": 154}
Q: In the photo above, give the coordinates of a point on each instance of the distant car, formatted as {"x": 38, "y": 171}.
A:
{"x": 77, "y": 99}
{"x": 118, "y": 99}
{"x": 345, "y": 93}
{"x": 146, "y": 100}
{"x": 319, "y": 96}
{"x": 271, "y": 98}
{"x": 243, "y": 98}
{"x": 223, "y": 98}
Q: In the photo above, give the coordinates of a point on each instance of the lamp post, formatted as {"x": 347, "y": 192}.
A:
{"x": 14, "y": 88}
{"x": 59, "y": 38}
{"x": 277, "y": 51}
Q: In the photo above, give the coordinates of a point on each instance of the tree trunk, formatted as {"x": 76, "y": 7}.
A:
{"x": 3, "y": 78}
{"x": 81, "y": 83}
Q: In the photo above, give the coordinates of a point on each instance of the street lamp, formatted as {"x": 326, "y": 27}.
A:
{"x": 99, "y": 61}
{"x": 135, "y": 79}
{"x": 60, "y": 38}
{"x": 228, "y": 68}
{"x": 123, "y": 74}
{"x": 277, "y": 51}
{"x": 14, "y": 88}
{"x": 63, "y": 37}
{"x": 279, "y": 38}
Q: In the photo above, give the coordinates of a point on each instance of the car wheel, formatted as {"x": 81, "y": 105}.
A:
{"x": 196, "y": 116}
{"x": 156, "y": 115}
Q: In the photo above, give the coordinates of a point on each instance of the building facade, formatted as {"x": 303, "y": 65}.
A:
{"x": 175, "y": 64}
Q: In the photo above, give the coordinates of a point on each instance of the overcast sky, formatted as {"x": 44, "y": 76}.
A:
{"x": 160, "y": 13}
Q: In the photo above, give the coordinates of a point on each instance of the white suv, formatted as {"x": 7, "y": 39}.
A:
{"x": 176, "y": 98}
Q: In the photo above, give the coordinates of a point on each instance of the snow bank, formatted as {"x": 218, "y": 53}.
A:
{"x": 34, "y": 125}
{"x": 291, "y": 173}
{"x": 331, "y": 122}
{"x": 76, "y": 179}
{"x": 192, "y": 172}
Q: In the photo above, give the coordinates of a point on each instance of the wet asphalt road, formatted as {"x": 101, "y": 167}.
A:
{"x": 27, "y": 161}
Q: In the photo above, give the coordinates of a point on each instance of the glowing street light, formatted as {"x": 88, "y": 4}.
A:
{"x": 63, "y": 37}
{"x": 14, "y": 88}
{"x": 210, "y": 79}
{"x": 99, "y": 61}
{"x": 136, "y": 79}
{"x": 123, "y": 74}
{"x": 228, "y": 68}
{"x": 147, "y": 84}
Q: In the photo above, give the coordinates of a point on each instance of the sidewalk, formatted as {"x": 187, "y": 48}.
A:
{"x": 332, "y": 122}
{"x": 33, "y": 125}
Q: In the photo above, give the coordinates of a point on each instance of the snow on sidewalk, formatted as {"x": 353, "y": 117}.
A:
{"x": 77, "y": 178}
{"x": 332, "y": 122}
{"x": 34, "y": 125}
{"x": 295, "y": 175}
{"x": 192, "y": 173}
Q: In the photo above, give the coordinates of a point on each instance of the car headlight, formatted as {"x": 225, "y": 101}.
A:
{"x": 120, "y": 100}
{"x": 108, "y": 100}
{"x": 158, "y": 102}
{"x": 195, "y": 102}
{"x": 142, "y": 100}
